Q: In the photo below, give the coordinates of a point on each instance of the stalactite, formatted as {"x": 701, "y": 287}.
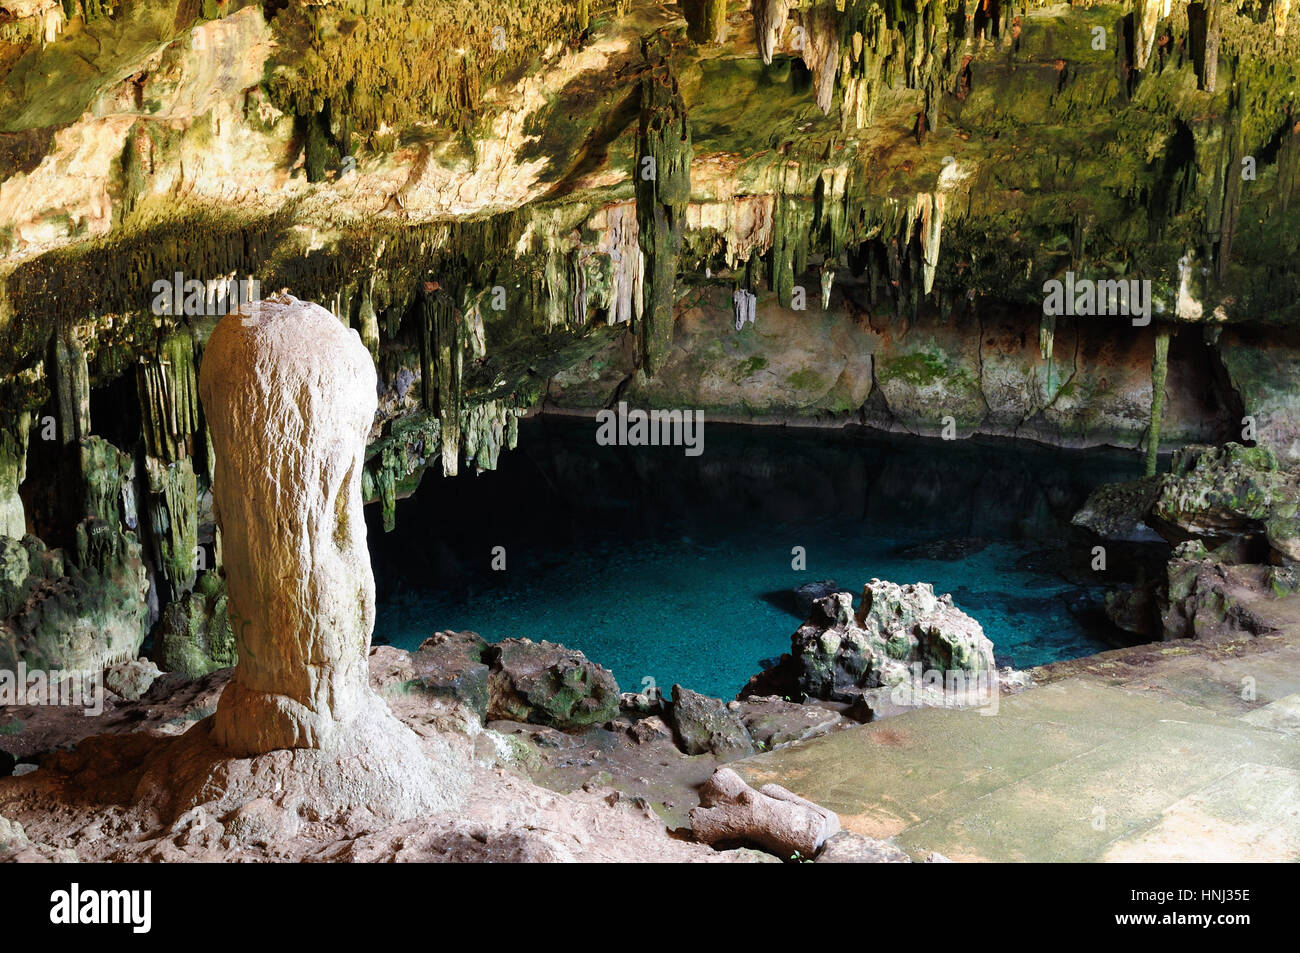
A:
{"x": 71, "y": 379}
{"x": 172, "y": 523}
{"x": 169, "y": 399}
{"x": 442, "y": 364}
{"x": 663, "y": 189}
{"x": 627, "y": 263}
{"x": 930, "y": 211}
{"x": 769, "y": 21}
{"x": 706, "y": 20}
{"x": 821, "y": 52}
{"x": 13, "y": 470}
{"x": 1213, "y": 33}
{"x": 1159, "y": 374}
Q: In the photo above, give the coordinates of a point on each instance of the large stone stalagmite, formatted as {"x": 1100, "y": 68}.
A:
{"x": 289, "y": 394}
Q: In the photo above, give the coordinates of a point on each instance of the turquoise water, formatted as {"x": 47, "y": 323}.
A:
{"x": 679, "y": 569}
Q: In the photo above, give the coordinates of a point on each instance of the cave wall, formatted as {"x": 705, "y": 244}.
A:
{"x": 883, "y": 189}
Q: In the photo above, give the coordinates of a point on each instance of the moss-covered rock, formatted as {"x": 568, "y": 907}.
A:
{"x": 547, "y": 684}
{"x": 193, "y": 635}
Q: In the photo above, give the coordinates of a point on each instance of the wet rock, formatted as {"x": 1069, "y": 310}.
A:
{"x": 808, "y": 593}
{"x": 773, "y": 722}
{"x": 1215, "y": 493}
{"x": 839, "y": 653}
{"x": 130, "y": 680}
{"x": 706, "y": 725}
{"x": 451, "y": 665}
{"x": 732, "y": 813}
{"x": 1117, "y": 511}
{"x": 847, "y": 847}
{"x": 193, "y": 636}
{"x": 946, "y": 550}
{"x": 649, "y": 702}
{"x": 548, "y": 684}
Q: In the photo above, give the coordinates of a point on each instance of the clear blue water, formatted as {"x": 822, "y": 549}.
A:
{"x": 678, "y": 569}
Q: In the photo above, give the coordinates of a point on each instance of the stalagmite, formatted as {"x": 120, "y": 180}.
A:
{"x": 289, "y": 394}
{"x": 746, "y": 307}
{"x": 828, "y": 282}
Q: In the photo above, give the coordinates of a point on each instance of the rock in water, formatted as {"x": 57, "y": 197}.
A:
{"x": 289, "y": 394}
{"x": 731, "y": 812}
{"x": 842, "y": 655}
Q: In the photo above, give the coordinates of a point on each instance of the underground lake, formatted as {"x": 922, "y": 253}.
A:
{"x": 666, "y": 568}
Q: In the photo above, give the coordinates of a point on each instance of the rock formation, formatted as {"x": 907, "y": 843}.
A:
{"x": 289, "y": 394}
{"x": 844, "y": 655}
{"x": 731, "y": 813}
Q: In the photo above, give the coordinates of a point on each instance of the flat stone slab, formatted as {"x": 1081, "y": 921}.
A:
{"x": 1171, "y": 752}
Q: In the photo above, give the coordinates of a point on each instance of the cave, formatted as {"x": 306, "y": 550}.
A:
{"x": 716, "y": 431}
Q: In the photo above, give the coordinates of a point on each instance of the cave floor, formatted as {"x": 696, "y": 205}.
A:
{"x": 1155, "y": 753}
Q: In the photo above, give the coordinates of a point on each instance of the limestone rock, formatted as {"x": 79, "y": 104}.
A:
{"x": 289, "y": 394}
{"x": 847, "y": 847}
{"x": 840, "y": 654}
{"x": 193, "y": 636}
{"x": 703, "y": 724}
{"x": 773, "y": 722}
{"x": 450, "y": 664}
{"x": 731, "y": 812}
{"x": 82, "y": 610}
{"x": 129, "y": 680}
{"x": 548, "y": 684}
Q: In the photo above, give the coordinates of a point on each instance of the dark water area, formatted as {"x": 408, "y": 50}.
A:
{"x": 672, "y": 568}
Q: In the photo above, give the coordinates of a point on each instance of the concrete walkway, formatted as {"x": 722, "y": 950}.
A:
{"x": 1174, "y": 752}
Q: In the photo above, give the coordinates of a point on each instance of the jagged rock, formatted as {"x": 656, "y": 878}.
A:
{"x": 847, "y": 847}
{"x": 732, "y": 813}
{"x": 946, "y": 550}
{"x": 85, "y": 610}
{"x": 810, "y": 592}
{"x": 1118, "y": 511}
{"x": 193, "y": 635}
{"x": 451, "y": 665}
{"x": 838, "y": 654}
{"x": 300, "y": 585}
{"x": 649, "y": 730}
{"x": 702, "y": 724}
{"x": 1215, "y": 493}
{"x": 773, "y": 722}
{"x": 1203, "y": 597}
{"x": 548, "y": 684}
{"x": 129, "y": 680}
